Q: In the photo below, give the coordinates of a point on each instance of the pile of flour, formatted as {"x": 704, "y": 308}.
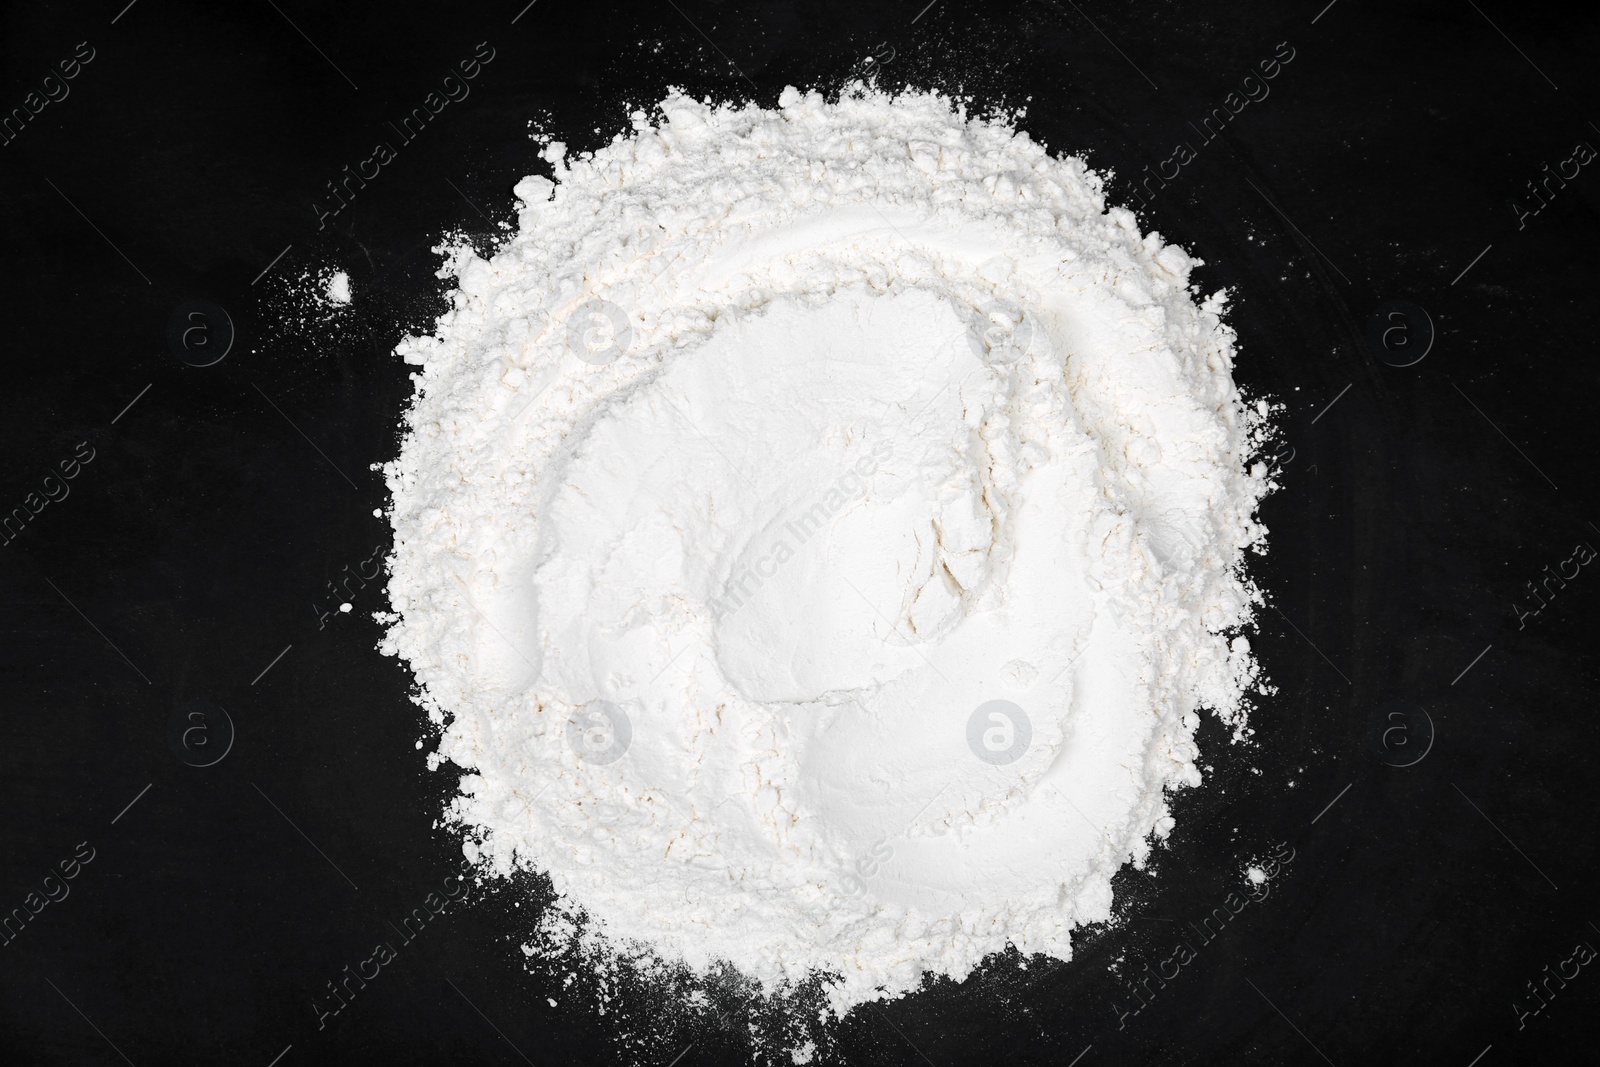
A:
{"x": 817, "y": 531}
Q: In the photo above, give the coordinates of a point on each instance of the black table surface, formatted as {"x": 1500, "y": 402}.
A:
{"x": 1424, "y": 759}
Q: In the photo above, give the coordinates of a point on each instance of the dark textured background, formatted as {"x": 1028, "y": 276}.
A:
{"x": 197, "y": 544}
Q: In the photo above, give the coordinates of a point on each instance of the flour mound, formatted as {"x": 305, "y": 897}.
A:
{"x": 817, "y": 532}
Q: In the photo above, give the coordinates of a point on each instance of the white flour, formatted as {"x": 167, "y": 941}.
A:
{"x": 816, "y": 533}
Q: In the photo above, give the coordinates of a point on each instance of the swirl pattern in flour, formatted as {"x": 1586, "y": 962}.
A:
{"x": 817, "y": 532}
